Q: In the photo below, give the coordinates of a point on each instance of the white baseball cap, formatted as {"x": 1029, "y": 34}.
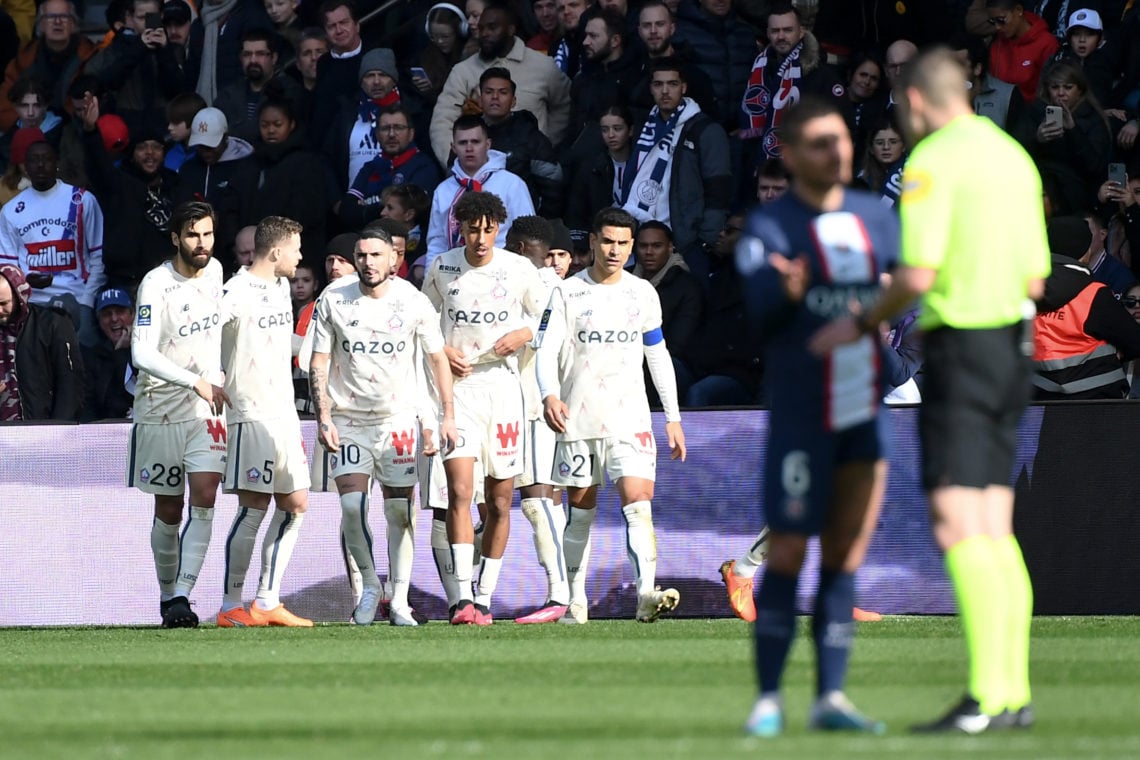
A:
{"x": 1086, "y": 18}
{"x": 208, "y": 128}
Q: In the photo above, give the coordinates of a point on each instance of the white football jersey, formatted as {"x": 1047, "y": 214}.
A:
{"x": 531, "y": 397}
{"x": 479, "y": 305}
{"x": 181, "y": 318}
{"x": 372, "y": 344}
{"x": 257, "y": 348}
{"x": 600, "y": 367}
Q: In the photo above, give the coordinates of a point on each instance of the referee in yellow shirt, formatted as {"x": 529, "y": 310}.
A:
{"x": 974, "y": 249}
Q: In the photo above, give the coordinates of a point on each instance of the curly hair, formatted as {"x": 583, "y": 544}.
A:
{"x": 475, "y": 207}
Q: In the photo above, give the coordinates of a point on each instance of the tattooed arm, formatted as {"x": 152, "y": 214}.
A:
{"x": 319, "y": 393}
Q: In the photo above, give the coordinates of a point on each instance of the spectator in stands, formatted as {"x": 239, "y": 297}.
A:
{"x": 725, "y": 368}
{"x": 177, "y": 18}
{"x": 22, "y": 17}
{"x": 865, "y": 100}
{"x": 338, "y": 72}
{"x": 41, "y": 369}
{"x": 352, "y": 140}
{"x": 657, "y": 31}
{"x": 30, "y": 99}
{"x": 541, "y": 88}
{"x": 1119, "y": 205}
{"x": 180, "y": 112}
{"x": 561, "y": 245}
{"x": 55, "y": 228}
{"x": 1022, "y": 47}
{"x": 399, "y": 162}
{"x": 409, "y": 204}
{"x": 545, "y": 40}
{"x": 139, "y": 66}
{"x": 883, "y": 161}
{"x": 788, "y": 68}
{"x": 477, "y": 168}
{"x": 244, "y": 245}
{"x": 1072, "y": 156}
{"x": 447, "y": 33}
{"x": 999, "y": 101}
{"x": 1085, "y": 45}
{"x": 223, "y": 173}
{"x": 568, "y": 53}
{"x": 682, "y": 296}
{"x": 724, "y": 46}
{"x": 679, "y": 171}
{"x": 303, "y": 288}
{"x": 609, "y": 71}
{"x": 214, "y": 60}
{"x": 772, "y": 180}
{"x": 1131, "y": 301}
{"x": 311, "y": 47}
{"x": 287, "y": 24}
{"x": 598, "y": 182}
{"x": 289, "y": 182}
{"x": 136, "y": 196}
{"x": 899, "y": 54}
{"x": 1103, "y": 266}
{"x": 15, "y": 179}
{"x": 515, "y": 133}
{"x": 55, "y": 57}
{"x": 241, "y": 100}
{"x": 108, "y": 362}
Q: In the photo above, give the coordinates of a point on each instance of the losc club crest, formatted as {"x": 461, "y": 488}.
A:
{"x": 563, "y": 469}
{"x": 253, "y": 474}
{"x": 144, "y": 475}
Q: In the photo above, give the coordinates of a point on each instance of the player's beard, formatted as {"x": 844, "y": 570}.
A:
{"x": 378, "y": 279}
{"x": 192, "y": 257}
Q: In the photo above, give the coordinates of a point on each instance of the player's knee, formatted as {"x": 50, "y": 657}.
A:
{"x": 786, "y": 553}
{"x": 168, "y": 509}
{"x": 459, "y": 496}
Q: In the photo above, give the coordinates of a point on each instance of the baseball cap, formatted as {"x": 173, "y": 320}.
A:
{"x": 1069, "y": 236}
{"x": 176, "y": 12}
{"x": 113, "y": 297}
{"x": 1086, "y": 18}
{"x": 208, "y": 128}
{"x": 116, "y": 136}
{"x": 24, "y": 139}
{"x": 343, "y": 245}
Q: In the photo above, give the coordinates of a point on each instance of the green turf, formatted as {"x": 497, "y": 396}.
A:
{"x": 608, "y": 689}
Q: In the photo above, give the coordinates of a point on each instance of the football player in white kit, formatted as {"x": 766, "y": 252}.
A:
{"x": 368, "y": 335}
{"x": 489, "y": 302}
{"x": 179, "y": 436}
{"x": 531, "y": 237}
{"x": 599, "y": 326}
{"x": 265, "y": 459}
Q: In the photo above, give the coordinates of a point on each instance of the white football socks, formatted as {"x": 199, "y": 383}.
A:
{"x": 549, "y": 523}
{"x": 355, "y": 579}
{"x": 276, "y": 551}
{"x": 401, "y": 548}
{"x": 488, "y": 579}
{"x": 358, "y": 535}
{"x": 239, "y": 551}
{"x": 641, "y": 545}
{"x": 577, "y": 545}
{"x": 462, "y": 557}
{"x": 441, "y": 551}
{"x": 192, "y": 549}
{"x": 164, "y": 546}
{"x": 746, "y": 566}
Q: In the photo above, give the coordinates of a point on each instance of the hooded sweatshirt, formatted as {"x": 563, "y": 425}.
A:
{"x": 1021, "y": 60}
{"x": 492, "y": 177}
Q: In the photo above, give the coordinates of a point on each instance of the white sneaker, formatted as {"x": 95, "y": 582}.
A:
{"x": 397, "y": 616}
{"x": 651, "y": 605}
{"x": 576, "y": 614}
{"x": 365, "y": 612}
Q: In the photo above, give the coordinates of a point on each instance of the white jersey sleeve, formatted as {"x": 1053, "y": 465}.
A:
{"x": 257, "y": 342}
{"x": 93, "y": 245}
{"x": 176, "y": 340}
{"x": 528, "y": 355}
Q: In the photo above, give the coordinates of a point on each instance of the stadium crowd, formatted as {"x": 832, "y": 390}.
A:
{"x": 669, "y": 109}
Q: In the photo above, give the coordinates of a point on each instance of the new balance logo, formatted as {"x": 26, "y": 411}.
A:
{"x": 404, "y": 442}
{"x": 508, "y": 435}
{"x": 217, "y": 430}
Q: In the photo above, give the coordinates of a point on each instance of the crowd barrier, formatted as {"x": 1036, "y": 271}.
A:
{"x": 74, "y": 540}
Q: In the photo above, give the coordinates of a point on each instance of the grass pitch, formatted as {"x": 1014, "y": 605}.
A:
{"x": 680, "y": 688}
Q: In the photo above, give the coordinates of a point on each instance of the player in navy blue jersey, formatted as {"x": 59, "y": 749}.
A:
{"x": 805, "y": 259}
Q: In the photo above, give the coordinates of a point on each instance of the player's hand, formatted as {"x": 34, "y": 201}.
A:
{"x": 795, "y": 275}
{"x": 460, "y": 367}
{"x": 328, "y": 436}
{"x": 212, "y": 394}
{"x": 676, "y": 438}
{"x": 555, "y": 412}
{"x": 835, "y": 333}
{"x": 1127, "y": 135}
{"x": 430, "y": 449}
{"x": 448, "y": 435}
{"x": 512, "y": 342}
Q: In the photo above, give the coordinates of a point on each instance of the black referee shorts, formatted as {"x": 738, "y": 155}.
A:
{"x": 976, "y": 385}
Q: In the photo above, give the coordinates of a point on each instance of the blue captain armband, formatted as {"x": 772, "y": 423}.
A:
{"x": 653, "y": 337}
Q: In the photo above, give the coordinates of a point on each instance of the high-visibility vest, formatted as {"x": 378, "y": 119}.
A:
{"x": 1068, "y": 361}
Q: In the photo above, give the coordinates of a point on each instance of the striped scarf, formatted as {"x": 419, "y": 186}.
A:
{"x": 646, "y": 181}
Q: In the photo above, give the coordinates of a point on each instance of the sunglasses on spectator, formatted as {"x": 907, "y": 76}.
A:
{"x": 998, "y": 20}
{"x": 1131, "y": 302}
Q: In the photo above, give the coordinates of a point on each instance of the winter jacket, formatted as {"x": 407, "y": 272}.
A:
{"x": 142, "y": 79}
{"x": 591, "y": 191}
{"x": 233, "y": 102}
{"x": 722, "y": 343}
{"x": 846, "y": 25}
{"x": 1020, "y": 61}
{"x": 1072, "y": 167}
{"x": 136, "y": 212}
{"x": 49, "y": 367}
{"x": 106, "y": 371}
{"x": 698, "y": 86}
{"x": 531, "y": 157}
{"x": 724, "y": 47}
{"x": 289, "y": 185}
{"x": 244, "y": 17}
{"x": 361, "y": 204}
{"x": 682, "y": 309}
{"x": 601, "y": 85}
{"x": 55, "y": 71}
{"x": 540, "y": 88}
{"x": 1101, "y": 67}
{"x": 338, "y": 83}
{"x": 229, "y": 185}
